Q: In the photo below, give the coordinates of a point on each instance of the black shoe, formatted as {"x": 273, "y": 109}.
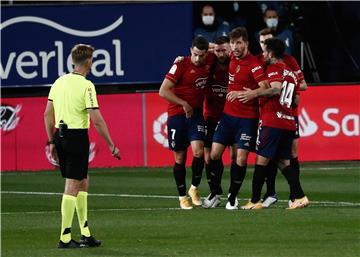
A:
{"x": 71, "y": 244}
{"x": 89, "y": 241}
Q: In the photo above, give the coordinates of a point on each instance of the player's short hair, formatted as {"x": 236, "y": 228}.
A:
{"x": 200, "y": 43}
{"x": 266, "y": 31}
{"x": 222, "y": 40}
{"x": 239, "y": 32}
{"x": 81, "y": 52}
{"x": 275, "y": 45}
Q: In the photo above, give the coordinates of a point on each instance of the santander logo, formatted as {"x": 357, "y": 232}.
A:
{"x": 336, "y": 124}
{"x": 307, "y": 127}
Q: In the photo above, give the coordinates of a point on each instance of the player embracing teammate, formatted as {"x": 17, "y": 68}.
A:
{"x": 192, "y": 79}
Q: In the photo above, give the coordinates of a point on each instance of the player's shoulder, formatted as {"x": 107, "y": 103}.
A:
{"x": 275, "y": 69}
{"x": 186, "y": 62}
{"x": 253, "y": 60}
{"x": 291, "y": 61}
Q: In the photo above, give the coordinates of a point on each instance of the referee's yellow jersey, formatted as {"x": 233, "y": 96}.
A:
{"x": 72, "y": 94}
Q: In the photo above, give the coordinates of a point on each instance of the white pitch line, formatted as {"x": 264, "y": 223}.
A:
{"x": 108, "y": 195}
{"x": 324, "y": 203}
{"x": 95, "y": 210}
{"x": 328, "y": 168}
{"x": 10, "y": 173}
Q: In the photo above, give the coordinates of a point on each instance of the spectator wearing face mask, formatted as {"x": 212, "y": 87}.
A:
{"x": 271, "y": 19}
{"x": 211, "y": 26}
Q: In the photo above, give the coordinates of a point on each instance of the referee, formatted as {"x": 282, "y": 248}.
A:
{"x": 72, "y": 100}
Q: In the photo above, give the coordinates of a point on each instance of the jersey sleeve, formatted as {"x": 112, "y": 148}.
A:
{"x": 257, "y": 72}
{"x": 292, "y": 63}
{"x": 273, "y": 74}
{"x": 175, "y": 72}
{"x": 90, "y": 97}
{"x": 51, "y": 94}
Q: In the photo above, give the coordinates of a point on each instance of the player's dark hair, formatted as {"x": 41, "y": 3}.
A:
{"x": 222, "y": 40}
{"x": 239, "y": 32}
{"x": 266, "y": 31}
{"x": 200, "y": 43}
{"x": 80, "y": 53}
{"x": 275, "y": 45}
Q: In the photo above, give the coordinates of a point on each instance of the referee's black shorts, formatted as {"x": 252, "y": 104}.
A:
{"x": 73, "y": 153}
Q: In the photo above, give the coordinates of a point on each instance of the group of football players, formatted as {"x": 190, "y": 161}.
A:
{"x": 223, "y": 96}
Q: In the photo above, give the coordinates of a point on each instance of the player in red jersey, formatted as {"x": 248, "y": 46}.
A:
{"x": 270, "y": 196}
{"x": 277, "y": 126}
{"x": 215, "y": 96}
{"x": 240, "y": 120}
{"x": 183, "y": 87}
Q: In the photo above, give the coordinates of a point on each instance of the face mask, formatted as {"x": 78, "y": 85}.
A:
{"x": 208, "y": 20}
{"x": 272, "y": 22}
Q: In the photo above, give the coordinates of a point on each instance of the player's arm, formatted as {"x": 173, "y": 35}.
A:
{"x": 296, "y": 101}
{"x": 303, "y": 85}
{"x": 248, "y": 94}
{"x": 293, "y": 64}
{"x": 101, "y": 128}
{"x": 49, "y": 127}
{"x": 166, "y": 91}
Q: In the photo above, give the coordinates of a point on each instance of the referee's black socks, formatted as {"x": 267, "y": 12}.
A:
{"x": 179, "y": 175}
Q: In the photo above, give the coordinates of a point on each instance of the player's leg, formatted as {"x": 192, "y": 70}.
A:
{"x": 300, "y": 199}
{"x": 270, "y": 197}
{"x": 267, "y": 144}
{"x": 179, "y": 172}
{"x": 291, "y": 175}
{"x": 197, "y": 167}
{"x": 196, "y": 136}
{"x": 222, "y": 138}
{"x": 216, "y": 168}
{"x": 237, "y": 176}
{"x": 246, "y": 131}
{"x": 210, "y": 129}
{"x": 178, "y": 143}
{"x": 207, "y": 169}
{"x": 294, "y": 162}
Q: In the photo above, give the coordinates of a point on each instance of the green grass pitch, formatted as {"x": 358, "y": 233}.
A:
{"x": 135, "y": 212}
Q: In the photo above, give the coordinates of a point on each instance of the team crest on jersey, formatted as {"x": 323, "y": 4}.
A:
{"x": 192, "y": 71}
{"x": 237, "y": 69}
